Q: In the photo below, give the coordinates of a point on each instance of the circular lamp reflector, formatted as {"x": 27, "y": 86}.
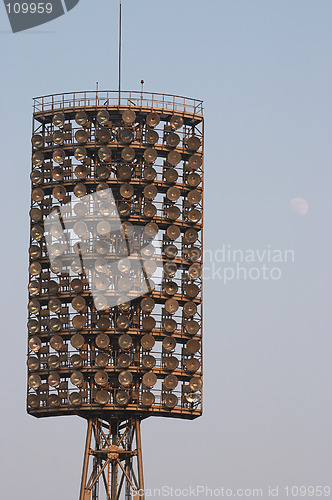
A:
{"x": 189, "y": 309}
{"x": 102, "y": 341}
{"x": 34, "y": 381}
{"x": 122, "y": 398}
{"x": 171, "y": 306}
{"x": 124, "y": 360}
{"x": 152, "y": 119}
{"x": 33, "y": 401}
{"x": 103, "y": 116}
{"x": 176, "y": 122}
{"x": 34, "y": 344}
{"x": 37, "y": 194}
{"x": 79, "y": 321}
{"x": 173, "y": 232}
{"x": 173, "y": 212}
{"x": 194, "y": 162}
{"x": 103, "y": 135}
{"x": 128, "y": 154}
{"x": 150, "y": 230}
{"x": 123, "y": 172}
{"x": 125, "y": 341}
{"x": 147, "y": 304}
{"x": 170, "y": 287}
{"x": 169, "y": 344}
{"x": 193, "y": 143}
{"x": 174, "y": 158}
{"x": 147, "y": 342}
{"x": 102, "y": 397}
{"x": 151, "y": 137}
{"x": 81, "y": 137}
{"x": 77, "y": 285}
{"x": 57, "y": 173}
{"x": 104, "y": 323}
{"x": 81, "y": 118}
{"x": 33, "y": 364}
{"x": 59, "y": 155}
{"x": 128, "y": 116}
{"x": 170, "y": 175}
{"x": 170, "y": 400}
{"x": 147, "y": 398}
{"x": 171, "y": 363}
{"x": 191, "y": 290}
{"x": 126, "y": 136}
{"x": 193, "y": 346}
{"x": 36, "y": 214}
{"x": 59, "y": 192}
{"x": 126, "y": 190}
{"x": 149, "y": 210}
{"x": 169, "y": 325}
{"x": 37, "y": 141}
{"x": 101, "y": 378}
{"x": 54, "y": 379}
{"x": 150, "y": 191}
{"x": 53, "y": 361}
{"x": 190, "y": 235}
{"x": 36, "y": 176}
{"x": 195, "y": 384}
{"x": 102, "y": 360}
{"x": 56, "y": 342}
{"x": 192, "y": 327}
{"x": 53, "y": 401}
{"x": 38, "y": 158}
{"x": 194, "y": 197}
{"x": 173, "y": 193}
{"x": 149, "y": 379}
{"x": 58, "y": 137}
{"x": 193, "y": 180}
{"x": 77, "y": 378}
{"x": 76, "y": 361}
{"x": 170, "y": 269}
{"x": 75, "y": 399}
{"x": 149, "y": 174}
{"x": 34, "y": 306}
{"x": 192, "y": 364}
{"x": 194, "y": 215}
{"x": 170, "y": 251}
{"x": 122, "y": 322}
{"x": 58, "y": 119}
{"x": 148, "y": 361}
{"x": 35, "y": 269}
{"x": 125, "y": 378}
{"x": 150, "y": 155}
{"x": 172, "y": 140}
{"x": 170, "y": 382}
{"x": 148, "y": 323}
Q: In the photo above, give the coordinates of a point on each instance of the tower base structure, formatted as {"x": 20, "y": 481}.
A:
{"x": 112, "y": 465}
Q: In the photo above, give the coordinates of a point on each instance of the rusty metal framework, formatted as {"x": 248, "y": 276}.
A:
{"x": 115, "y": 365}
{"x": 111, "y": 450}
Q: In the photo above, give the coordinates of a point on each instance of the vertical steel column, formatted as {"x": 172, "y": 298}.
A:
{"x": 86, "y": 459}
{"x": 139, "y": 459}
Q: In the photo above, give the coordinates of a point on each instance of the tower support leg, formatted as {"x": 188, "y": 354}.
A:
{"x": 112, "y": 465}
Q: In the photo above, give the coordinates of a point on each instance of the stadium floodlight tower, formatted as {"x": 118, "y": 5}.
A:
{"x": 115, "y": 272}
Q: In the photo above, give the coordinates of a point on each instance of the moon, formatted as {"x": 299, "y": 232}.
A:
{"x": 299, "y": 206}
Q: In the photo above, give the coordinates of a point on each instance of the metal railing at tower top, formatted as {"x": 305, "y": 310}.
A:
{"x": 131, "y": 99}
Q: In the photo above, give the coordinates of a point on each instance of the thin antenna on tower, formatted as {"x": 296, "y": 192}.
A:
{"x": 120, "y": 36}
